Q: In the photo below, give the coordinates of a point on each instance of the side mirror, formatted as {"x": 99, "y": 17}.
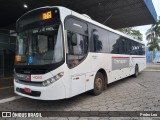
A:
{"x": 74, "y": 39}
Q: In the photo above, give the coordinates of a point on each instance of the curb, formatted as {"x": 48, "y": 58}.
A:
{"x": 8, "y": 78}
{"x": 151, "y": 70}
{"x": 10, "y": 99}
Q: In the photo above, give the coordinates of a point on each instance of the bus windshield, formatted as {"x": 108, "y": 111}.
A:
{"x": 40, "y": 46}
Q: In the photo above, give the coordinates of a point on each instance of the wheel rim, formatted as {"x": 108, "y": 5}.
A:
{"x": 98, "y": 83}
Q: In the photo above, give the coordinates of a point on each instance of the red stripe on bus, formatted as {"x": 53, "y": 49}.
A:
{"x": 138, "y": 57}
{"x": 126, "y": 57}
{"x": 119, "y": 57}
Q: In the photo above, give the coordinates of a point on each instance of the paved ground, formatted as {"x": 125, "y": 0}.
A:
{"x": 129, "y": 94}
{"x": 153, "y": 67}
{"x": 6, "y": 87}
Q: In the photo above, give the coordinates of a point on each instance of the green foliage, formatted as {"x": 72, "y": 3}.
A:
{"x": 137, "y": 34}
{"x": 132, "y": 32}
{"x": 126, "y": 30}
{"x": 153, "y": 45}
{"x": 153, "y": 36}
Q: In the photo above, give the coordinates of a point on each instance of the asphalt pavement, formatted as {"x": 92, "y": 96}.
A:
{"x": 129, "y": 94}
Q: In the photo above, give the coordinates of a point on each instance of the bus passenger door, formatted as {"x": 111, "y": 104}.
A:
{"x": 76, "y": 54}
{"x": 78, "y": 84}
{"x": 89, "y": 80}
{"x": 77, "y": 51}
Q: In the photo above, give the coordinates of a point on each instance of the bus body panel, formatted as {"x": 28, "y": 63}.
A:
{"x": 57, "y": 90}
{"x": 80, "y": 78}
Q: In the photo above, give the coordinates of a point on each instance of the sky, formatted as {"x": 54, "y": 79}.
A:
{"x": 144, "y": 28}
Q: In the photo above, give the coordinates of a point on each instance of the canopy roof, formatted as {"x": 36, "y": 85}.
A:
{"x": 113, "y": 13}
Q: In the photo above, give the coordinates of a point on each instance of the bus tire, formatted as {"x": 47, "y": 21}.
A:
{"x": 136, "y": 71}
{"x": 98, "y": 84}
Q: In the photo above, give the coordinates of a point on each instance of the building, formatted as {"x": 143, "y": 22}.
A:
{"x": 7, "y": 53}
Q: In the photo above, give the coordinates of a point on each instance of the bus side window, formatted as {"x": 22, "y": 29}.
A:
{"x": 76, "y": 50}
{"x": 97, "y": 42}
{"x": 80, "y": 47}
{"x": 141, "y": 49}
{"x": 70, "y": 47}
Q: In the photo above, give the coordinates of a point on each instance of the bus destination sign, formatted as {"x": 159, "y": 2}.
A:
{"x": 47, "y": 15}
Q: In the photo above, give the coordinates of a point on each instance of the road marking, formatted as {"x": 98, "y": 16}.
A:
{"x": 2, "y": 88}
{"x": 10, "y": 99}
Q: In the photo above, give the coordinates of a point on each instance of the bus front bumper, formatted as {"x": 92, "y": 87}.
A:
{"x": 53, "y": 92}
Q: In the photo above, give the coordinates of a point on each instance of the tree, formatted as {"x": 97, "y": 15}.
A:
{"x": 153, "y": 37}
{"x": 126, "y": 30}
{"x": 132, "y": 32}
{"x": 137, "y": 35}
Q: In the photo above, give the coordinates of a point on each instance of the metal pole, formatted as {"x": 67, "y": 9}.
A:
{"x": 1, "y": 68}
{"x": 3, "y": 65}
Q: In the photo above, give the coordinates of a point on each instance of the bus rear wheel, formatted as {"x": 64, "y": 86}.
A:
{"x": 98, "y": 84}
{"x": 136, "y": 71}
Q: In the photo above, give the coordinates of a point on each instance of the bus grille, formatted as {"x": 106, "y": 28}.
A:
{"x": 31, "y": 83}
{"x": 33, "y": 93}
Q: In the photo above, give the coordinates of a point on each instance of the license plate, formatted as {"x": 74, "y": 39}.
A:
{"x": 27, "y": 90}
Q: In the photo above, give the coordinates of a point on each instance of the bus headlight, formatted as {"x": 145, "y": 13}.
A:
{"x": 53, "y": 79}
{"x": 16, "y": 80}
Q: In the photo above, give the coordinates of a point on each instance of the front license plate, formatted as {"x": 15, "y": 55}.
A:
{"x": 27, "y": 90}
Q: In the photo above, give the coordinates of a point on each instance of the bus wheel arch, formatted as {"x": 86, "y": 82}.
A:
{"x": 105, "y": 78}
{"x": 101, "y": 79}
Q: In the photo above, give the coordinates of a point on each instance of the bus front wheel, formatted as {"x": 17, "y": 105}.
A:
{"x": 98, "y": 84}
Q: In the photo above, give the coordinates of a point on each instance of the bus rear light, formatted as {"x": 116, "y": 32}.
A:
{"x": 53, "y": 79}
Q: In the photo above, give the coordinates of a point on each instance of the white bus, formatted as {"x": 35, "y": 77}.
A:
{"x": 61, "y": 53}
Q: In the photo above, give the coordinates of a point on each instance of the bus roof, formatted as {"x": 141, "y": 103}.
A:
{"x": 80, "y": 16}
{"x": 103, "y": 26}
